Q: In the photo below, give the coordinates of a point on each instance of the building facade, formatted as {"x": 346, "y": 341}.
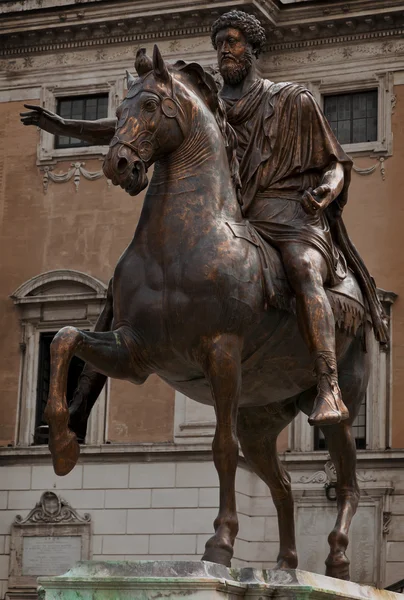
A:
{"x": 146, "y": 474}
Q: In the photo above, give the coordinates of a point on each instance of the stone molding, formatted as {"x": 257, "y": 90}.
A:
{"x": 190, "y": 452}
{"x": 32, "y": 291}
{"x": 293, "y": 26}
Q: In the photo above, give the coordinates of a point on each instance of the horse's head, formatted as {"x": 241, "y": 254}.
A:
{"x": 155, "y": 117}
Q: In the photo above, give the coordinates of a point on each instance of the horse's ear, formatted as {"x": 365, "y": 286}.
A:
{"x": 159, "y": 66}
{"x": 143, "y": 64}
{"x": 130, "y": 79}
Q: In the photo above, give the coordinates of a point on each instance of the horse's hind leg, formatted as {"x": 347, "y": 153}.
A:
{"x": 90, "y": 382}
{"x": 112, "y": 354}
{"x": 258, "y": 430}
{"x": 341, "y": 446}
{"x": 353, "y": 380}
{"x": 223, "y": 371}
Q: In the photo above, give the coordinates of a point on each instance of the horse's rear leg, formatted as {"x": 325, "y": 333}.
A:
{"x": 90, "y": 382}
{"x": 341, "y": 446}
{"x": 353, "y": 379}
{"x": 112, "y": 354}
{"x": 258, "y": 429}
{"x": 223, "y": 371}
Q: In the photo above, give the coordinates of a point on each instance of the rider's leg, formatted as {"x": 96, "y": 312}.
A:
{"x": 307, "y": 271}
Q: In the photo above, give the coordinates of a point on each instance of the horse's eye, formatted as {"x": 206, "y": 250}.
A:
{"x": 150, "y": 105}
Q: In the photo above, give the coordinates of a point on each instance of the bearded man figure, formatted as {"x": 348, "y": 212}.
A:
{"x": 294, "y": 177}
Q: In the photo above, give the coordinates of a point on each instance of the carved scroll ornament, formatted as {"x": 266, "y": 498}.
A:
{"x": 52, "y": 509}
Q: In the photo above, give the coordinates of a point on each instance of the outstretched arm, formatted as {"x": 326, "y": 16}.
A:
{"x": 98, "y": 132}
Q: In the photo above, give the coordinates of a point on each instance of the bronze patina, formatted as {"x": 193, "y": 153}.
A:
{"x": 232, "y": 298}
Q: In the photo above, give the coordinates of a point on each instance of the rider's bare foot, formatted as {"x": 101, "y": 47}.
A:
{"x": 329, "y": 407}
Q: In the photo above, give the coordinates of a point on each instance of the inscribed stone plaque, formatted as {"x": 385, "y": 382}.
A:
{"x": 49, "y": 541}
{"x": 50, "y": 555}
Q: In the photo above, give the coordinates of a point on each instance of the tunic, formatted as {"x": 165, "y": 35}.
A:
{"x": 284, "y": 146}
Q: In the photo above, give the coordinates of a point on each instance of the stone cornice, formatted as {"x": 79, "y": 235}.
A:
{"x": 163, "y": 452}
{"x": 97, "y": 23}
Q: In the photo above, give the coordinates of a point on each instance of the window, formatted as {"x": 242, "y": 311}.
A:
{"x": 353, "y": 116}
{"x": 88, "y": 108}
{"x": 46, "y": 303}
{"x": 358, "y": 107}
{"x": 52, "y": 97}
{"x": 41, "y": 434}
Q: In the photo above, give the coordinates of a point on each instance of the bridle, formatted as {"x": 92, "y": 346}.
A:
{"x": 145, "y": 142}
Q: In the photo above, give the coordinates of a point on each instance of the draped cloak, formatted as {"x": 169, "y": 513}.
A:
{"x": 285, "y": 145}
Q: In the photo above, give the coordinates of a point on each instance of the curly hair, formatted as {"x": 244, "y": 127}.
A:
{"x": 247, "y": 24}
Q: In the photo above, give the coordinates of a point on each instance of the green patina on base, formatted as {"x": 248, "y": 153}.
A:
{"x": 170, "y": 580}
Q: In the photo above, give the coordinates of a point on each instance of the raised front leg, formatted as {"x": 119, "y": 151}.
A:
{"x": 223, "y": 371}
{"x": 113, "y": 354}
{"x": 90, "y": 382}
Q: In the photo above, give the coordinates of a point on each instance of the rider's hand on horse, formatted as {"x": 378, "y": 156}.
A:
{"x": 315, "y": 201}
{"x": 41, "y": 117}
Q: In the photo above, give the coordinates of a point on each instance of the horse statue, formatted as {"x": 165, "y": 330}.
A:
{"x": 188, "y": 302}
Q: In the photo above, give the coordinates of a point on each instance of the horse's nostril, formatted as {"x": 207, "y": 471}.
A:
{"x": 122, "y": 164}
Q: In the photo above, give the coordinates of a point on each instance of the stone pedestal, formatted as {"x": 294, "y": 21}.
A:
{"x": 149, "y": 580}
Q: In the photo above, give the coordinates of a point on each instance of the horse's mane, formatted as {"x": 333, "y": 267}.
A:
{"x": 207, "y": 88}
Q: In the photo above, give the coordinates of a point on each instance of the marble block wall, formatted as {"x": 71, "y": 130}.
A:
{"x": 165, "y": 510}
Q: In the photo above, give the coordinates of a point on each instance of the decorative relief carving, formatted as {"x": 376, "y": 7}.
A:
{"x": 318, "y": 477}
{"x": 329, "y": 51}
{"x": 158, "y": 27}
{"x": 386, "y": 522}
{"x": 75, "y": 172}
{"x": 370, "y": 170}
{"x": 52, "y": 509}
{"x": 329, "y": 476}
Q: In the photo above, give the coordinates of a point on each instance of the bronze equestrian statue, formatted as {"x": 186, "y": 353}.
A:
{"x": 202, "y": 299}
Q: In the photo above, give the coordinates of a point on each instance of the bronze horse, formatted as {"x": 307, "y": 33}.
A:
{"x": 188, "y": 302}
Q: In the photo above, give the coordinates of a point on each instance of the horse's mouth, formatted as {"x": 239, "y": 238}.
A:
{"x": 138, "y": 180}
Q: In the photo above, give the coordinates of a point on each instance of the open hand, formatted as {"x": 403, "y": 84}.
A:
{"x": 315, "y": 201}
{"x": 38, "y": 116}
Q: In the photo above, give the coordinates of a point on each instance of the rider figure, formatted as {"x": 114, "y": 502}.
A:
{"x": 292, "y": 168}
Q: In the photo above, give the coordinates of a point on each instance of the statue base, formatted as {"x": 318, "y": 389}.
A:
{"x": 150, "y": 580}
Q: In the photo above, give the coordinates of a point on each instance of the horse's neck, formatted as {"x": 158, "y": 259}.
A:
{"x": 196, "y": 177}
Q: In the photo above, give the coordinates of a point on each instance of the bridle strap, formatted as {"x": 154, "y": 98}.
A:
{"x": 153, "y": 135}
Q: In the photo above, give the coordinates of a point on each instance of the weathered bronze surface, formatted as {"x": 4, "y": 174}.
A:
{"x": 236, "y": 283}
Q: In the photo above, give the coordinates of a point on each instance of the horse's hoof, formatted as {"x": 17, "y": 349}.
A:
{"x": 65, "y": 452}
{"x": 338, "y": 568}
{"x": 287, "y": 562}
{"x": 220, "y": 555}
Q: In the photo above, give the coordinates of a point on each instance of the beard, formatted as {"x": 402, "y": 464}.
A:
{"x": 235, "y": 71}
